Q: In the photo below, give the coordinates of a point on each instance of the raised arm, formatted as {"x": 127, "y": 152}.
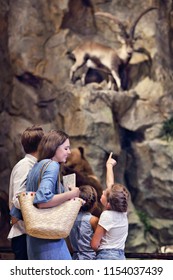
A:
{"x": 109, "y": 171}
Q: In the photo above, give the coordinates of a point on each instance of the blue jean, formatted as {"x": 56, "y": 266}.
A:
{"x": 110, "y": 254}
{"x": 47, "y": 249}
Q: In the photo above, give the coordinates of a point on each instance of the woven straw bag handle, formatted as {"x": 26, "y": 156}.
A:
{"x": 43, "y": 169}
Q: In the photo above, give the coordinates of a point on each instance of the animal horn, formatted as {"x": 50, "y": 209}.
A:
{"x": 132, "y": 29}
{"x": 121, "y": 26}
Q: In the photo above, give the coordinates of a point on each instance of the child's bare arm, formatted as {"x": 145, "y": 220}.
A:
{"x": 109, "y": 171}
{"x": 94, "y": 221}
{"x": 96, "y": 239}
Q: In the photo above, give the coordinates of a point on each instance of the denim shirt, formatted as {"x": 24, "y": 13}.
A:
{"x": 49, "y": 183}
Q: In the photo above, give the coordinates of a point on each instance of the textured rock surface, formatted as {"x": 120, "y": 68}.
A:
{"x": 35, "y": 88}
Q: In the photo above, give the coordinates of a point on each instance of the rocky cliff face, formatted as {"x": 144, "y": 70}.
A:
{"x": 35, "y": 88}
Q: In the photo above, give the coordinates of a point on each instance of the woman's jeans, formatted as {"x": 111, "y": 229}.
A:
{"x": 110, "y": 254}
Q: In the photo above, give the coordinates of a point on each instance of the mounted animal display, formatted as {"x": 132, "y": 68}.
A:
{"x": 77, "y": 163}
{"x": 114, "y": 62}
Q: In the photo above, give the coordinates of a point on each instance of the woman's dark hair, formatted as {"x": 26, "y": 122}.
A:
{"x": 89, "y": 195}
{"x": 31, "y": 138}
{"x": 50, "y": 142}
{"x": 118, "y": 196}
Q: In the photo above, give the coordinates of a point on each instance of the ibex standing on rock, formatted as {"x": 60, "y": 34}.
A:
{"x": 98, "y": 56}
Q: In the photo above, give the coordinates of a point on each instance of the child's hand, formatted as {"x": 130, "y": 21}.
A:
{"x": 13, "y": 220}
{"x": 111, "y": 160}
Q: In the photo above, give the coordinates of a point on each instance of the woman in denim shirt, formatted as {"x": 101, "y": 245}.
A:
{"x": 54, "y": 149}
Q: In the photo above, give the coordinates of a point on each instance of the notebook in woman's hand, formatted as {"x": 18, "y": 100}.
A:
{"x": 69, "y": 181}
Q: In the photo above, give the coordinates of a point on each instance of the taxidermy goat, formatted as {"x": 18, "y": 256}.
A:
{"x": 104, "y": 58}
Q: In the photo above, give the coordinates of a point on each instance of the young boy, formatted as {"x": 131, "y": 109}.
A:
{"x": 30, "y": 140}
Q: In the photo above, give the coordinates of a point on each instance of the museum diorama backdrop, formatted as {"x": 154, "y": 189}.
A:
{"x": 119, "y": 100}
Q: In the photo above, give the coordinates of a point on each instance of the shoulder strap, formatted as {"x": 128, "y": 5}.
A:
{"x": 43, "y": 169}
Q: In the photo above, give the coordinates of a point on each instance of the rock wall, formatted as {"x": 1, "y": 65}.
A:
{"x": 35, "y": 38}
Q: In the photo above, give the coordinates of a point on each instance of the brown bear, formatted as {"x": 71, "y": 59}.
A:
{"x": 77, "y": 163}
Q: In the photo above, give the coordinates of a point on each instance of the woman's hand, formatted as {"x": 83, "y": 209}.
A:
{"x": 75, "y": 191}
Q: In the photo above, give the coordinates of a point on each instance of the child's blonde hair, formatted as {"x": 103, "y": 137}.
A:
{"x": 118, "y": 196}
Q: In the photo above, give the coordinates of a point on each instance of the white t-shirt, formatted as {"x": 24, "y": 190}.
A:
{"x": 17, "y": 184}
{"x": 116, "y": 226}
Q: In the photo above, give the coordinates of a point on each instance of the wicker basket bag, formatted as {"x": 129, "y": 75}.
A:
{"x": 50, "y": 223}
